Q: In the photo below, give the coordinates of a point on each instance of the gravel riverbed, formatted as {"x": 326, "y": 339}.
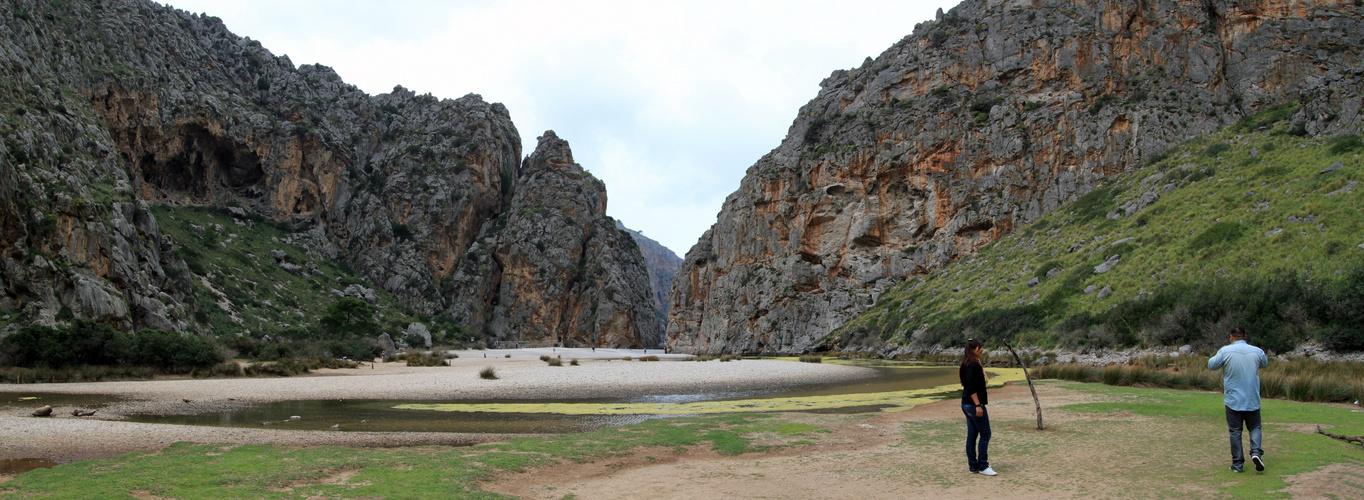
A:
{"x": 602, "y": 373}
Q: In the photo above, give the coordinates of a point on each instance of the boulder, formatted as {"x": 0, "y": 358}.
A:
{"x": 386, "y": 343}
{"x": 361, "y": 292}
{"x": 45, "y": 411}
{"x": 1107, "y": 265}
{"x": 417, "y": 332}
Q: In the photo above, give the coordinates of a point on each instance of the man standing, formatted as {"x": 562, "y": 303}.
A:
{"x": 1240, "y": 364}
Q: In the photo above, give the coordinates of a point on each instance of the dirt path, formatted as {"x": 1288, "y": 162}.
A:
{"x": 918, "y": 453}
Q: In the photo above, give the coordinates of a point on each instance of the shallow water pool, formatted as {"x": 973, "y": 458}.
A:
{"x": 895, "y": 384}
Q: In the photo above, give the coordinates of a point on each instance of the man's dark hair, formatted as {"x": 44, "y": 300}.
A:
{"x": 1238, "y": 333}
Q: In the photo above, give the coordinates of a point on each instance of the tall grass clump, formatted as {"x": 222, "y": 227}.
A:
{"x": 731, "y": 357}
{"x": 427, "y": 358}
{"x": 555, "y": 362}
{"x": 488, "y": 373}
{"x": 225, "y": 369}
{"x": 649, "y": 358}
{"x": 811, "y": 358}
{"x": 1302, "y": 379}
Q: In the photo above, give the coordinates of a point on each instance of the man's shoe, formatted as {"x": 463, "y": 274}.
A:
{"x": 987, "y": 472}
{"x": 1259, "y": 463}
{"x": 1236, "y": 469}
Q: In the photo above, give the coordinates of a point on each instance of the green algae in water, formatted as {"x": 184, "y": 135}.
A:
{"x": 819, "y": 400}
{"x": 896, "y": 388}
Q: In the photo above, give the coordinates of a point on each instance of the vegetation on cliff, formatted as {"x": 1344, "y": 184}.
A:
{"x": 1255, "y": 225}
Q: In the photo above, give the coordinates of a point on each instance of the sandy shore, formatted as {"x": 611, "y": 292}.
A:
{"x": 602, "y": 373}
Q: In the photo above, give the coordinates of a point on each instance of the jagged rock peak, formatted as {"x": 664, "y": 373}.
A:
{"x": 551, "y": 150}
{"x": 580, "y": 281}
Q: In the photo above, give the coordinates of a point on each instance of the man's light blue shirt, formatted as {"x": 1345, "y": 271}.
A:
{"x": 1240, "y": 363}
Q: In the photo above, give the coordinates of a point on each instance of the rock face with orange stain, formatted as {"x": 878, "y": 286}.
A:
{"x": 127, "y": 103}
{"x": 553, "y": 267}
{"x": 982, "y": 121}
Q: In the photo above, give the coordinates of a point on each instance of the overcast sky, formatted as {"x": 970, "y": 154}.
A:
{"x": 668, "y": 103}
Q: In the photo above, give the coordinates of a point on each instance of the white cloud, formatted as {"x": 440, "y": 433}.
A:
{"x": 667, "y": 102}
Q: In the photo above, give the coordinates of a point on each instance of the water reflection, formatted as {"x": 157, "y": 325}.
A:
{"x": 22, "y": 465}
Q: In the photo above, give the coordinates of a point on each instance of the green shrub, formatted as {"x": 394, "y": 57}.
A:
{"x": 84, "y": 342}
{"x": 1216, "y": 149}
{"x": 1101, "y": 102}
{"x": 1345, "y": 144}
{"x": 360, "y": 349}
{"x": 1094, "y": 205}
{"x": 1266, "y": 118}
{"x": 555, "y": 362}
{"x": 1346, "y": 338}
{"x": 811, "y": 358}
{"x": 1221, "y": 232}
{"x": 937, "y": 38}
{"x": 349, "y": 316}
{"x": 173, "y": 352}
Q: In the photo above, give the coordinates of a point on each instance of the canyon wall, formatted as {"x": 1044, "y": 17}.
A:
{"x": 112, "y": 106}
{"x": 977, "y": 123}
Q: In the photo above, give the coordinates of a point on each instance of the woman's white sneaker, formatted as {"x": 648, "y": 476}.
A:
{"x": 988, "y": 472}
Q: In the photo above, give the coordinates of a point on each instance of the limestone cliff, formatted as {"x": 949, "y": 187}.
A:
{"x": 591, "y": 289}
{"x": 979, "y": 122}
{"x": 110, "y": 106}
{"x": 663, "y": 264}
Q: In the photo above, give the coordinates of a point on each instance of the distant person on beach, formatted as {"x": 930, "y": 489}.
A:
{"x": 973, "y": 401}
{"x": 1240, "y": 363}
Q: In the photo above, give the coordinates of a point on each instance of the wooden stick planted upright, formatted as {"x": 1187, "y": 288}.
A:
{"x": 1030, "y": 386}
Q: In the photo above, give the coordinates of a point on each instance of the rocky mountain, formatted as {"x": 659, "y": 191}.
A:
{"x": 589, "y": 289}
{"x": 982, "y": 121}
{"x": 111, "y": 107}
{"x": 663, "y": 264}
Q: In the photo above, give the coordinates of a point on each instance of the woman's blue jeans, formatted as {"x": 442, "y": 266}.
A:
{"x": 977, "y": 434}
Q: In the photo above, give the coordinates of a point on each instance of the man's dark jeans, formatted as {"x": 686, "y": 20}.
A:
{"x": 978, "y": 427}
{"x": 1251, "y": 420}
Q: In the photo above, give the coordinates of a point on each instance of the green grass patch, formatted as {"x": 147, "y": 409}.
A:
{"x": 243, "y": 290}
{"x": 190, "y": 471}
{"x": 1289, "y": 451}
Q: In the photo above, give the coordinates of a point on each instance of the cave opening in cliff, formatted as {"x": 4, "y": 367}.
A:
{"x": 197, "y": 163}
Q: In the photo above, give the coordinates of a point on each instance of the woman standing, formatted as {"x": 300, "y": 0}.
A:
{"x": 973, "y": 401}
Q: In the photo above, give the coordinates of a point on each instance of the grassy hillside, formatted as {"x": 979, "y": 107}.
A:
{"x": 243, "y": 290}
{"x": 1255, "y": 225}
